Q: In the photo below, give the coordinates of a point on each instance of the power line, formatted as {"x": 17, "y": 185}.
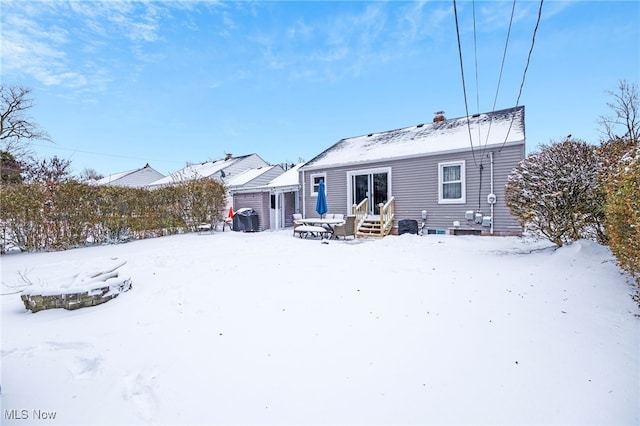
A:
{"x": 464, "y": 86}
{"x": 533, "y": 42}
{"x": 102, "y": 154}
{"x": 495, "y": 99}
{"x": 524, "y": 74}
{"x": 475, "y": 54}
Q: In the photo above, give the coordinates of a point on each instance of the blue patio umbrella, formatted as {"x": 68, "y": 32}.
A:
{"x": 321, "y": 202}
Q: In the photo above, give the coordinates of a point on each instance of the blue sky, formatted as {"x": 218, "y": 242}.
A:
{"x": 119, "y": 84}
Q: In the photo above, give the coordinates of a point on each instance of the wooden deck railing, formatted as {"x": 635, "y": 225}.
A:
{"x": 387, "y": 213}
{"x": 360, "y": 212}
{"x": 374, "y": 225}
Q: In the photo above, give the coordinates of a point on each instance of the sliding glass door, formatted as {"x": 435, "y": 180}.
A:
{"x": 373, "y": 185}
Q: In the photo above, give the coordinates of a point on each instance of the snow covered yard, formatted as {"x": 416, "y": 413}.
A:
{"x": 234, "y": 328}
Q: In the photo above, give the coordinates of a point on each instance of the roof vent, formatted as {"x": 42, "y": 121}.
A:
{"x": 420, "y": 125}
{"x": 369, "y": 135}
{"x": 228, "y": 156}
{"x": 439, "y": 117}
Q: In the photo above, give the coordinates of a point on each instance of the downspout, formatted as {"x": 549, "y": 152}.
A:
{"x": 492, "y": 217}
{"x": 304, "y": 193}
{"x": 480, "y": 189}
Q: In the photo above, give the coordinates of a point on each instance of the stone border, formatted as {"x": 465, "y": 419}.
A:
{"x": 71, "y": 301}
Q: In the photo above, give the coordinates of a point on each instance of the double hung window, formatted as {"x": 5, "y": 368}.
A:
{"x": 315, "y": 183}
{"x": 451, "y": 182}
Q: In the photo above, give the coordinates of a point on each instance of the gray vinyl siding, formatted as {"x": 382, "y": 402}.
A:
{"x": 252, "y": 161}
{"x": 138, "y": 179}
{"x": 414, "y": 184}
{"x": 258, "y": 201}
{"x": 415, "y": 187}
{"x": 257, "y": 182}
{"x": 335, "y": 187}
{"x": 266, "y": 177}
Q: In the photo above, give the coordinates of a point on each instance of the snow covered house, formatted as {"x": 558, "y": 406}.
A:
{"x": 275, "y": 201}
{"x": 137, "y": 178}
{"x": 449, "y": 175}
{"x": 221, "y": 170}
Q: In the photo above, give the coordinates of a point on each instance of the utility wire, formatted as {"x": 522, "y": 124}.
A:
{"x": 102, "y": 154}
{"x": 475, "y": 54}
{"x": 464, "y": 86}
{"x": 524, "y": 74}
{"x": 495, "y": 99}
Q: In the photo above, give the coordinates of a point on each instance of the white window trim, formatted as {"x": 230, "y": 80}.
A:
{"x": 312, "y": 177}
{"x": 463, "y": 180}
{"x": 352, "y": 173}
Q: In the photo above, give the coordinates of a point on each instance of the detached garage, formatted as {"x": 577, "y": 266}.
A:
{"x": 275, "y": 202}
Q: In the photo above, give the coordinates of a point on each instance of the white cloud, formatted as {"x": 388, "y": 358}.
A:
{"x": 72, "y": 44}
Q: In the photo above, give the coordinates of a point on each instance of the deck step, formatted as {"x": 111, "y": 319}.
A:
{"x": 369, "y": 228}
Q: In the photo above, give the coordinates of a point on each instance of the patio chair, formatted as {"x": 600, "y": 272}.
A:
{"x": 346, "y": 229}
{"x": 204, "y": 227}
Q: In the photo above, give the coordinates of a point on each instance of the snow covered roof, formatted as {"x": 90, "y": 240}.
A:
{"x": 131, "y": 178}
{"x": 288, "y": 178}
{"x": 247, "y": 176}
{"x": 487, "y": 129}
{"x": 284, "y": 182}
{"x": 195, "y": 171}
{"x": 113, "y": 177}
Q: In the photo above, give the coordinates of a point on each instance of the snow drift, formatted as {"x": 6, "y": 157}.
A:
{"x": 402, "y": 330}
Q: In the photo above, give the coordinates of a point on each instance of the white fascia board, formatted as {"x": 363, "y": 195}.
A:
{"x": 405, "y": 157}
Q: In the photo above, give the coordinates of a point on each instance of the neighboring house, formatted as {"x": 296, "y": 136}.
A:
{"x": 137, "y": 178}
{"x": 256, "y": 177}
{"x": 275, "y": 201}
{"x": 447, "y": 168}
{"x": 220, "y": 170}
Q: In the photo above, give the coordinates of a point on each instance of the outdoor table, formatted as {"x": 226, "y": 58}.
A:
{"x": 326, "y": 223}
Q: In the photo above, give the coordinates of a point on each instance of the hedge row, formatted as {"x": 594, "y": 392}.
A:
{"x": 623, "y": 213}
{"x": 56, "y": 216}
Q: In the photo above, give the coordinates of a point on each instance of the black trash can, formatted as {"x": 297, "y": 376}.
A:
{"x": 407, "y": 226}
{"x": 246, "y": 220}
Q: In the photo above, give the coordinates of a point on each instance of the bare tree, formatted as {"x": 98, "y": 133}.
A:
{"x": 90, "y": 174}
{"x": 626, "y": 114}
{"x": 17, "y": 128}
{"x": 53, "y": 170}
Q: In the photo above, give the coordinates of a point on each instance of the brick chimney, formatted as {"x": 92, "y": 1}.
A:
{"x": 439, "y": 117}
